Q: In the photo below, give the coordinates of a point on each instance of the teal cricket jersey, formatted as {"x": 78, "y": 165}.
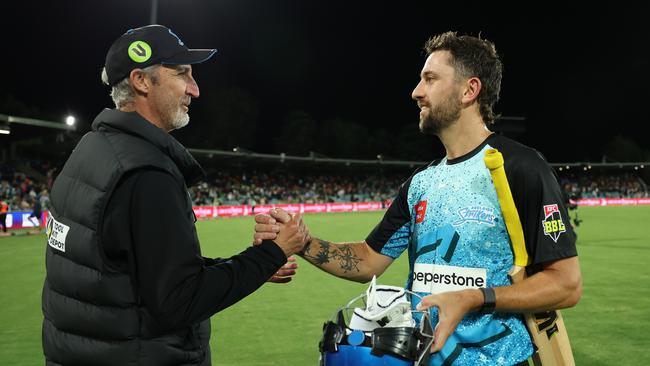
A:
{"x": 447, "y": 216}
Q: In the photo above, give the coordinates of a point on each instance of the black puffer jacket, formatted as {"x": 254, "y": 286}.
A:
{"x": 92, "y": 315}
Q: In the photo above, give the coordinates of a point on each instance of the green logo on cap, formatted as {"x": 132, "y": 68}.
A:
{"x": 139, "y": 51}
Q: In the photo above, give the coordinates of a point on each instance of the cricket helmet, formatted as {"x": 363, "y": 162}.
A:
{"x": 377, "y": 328}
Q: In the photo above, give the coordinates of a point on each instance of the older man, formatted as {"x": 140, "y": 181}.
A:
{"x": 126, "y": 283}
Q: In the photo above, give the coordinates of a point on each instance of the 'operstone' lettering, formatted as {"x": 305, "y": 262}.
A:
{"x": 437, "y": 278}
{"x": 452, "y": 279}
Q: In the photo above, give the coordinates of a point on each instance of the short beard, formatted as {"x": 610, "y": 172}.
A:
{"x": 441, "y": 116}
{"x": 180, "y": 120}
{"x": 174, "y": 116}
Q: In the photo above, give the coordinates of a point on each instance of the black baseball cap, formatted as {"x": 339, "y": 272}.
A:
{"x": 150, "y": 45}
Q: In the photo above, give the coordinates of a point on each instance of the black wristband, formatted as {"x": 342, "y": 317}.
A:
{"x": 489, "y": 301}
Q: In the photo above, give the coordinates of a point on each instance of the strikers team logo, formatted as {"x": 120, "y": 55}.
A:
{"x": 552, "y": 223}
{"x": 420, "y": 211}
{"x": 477, "y": 214}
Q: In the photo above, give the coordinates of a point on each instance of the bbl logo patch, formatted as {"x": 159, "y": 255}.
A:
{"x": 552, "y": 223}
{"x": 420, "y": 211}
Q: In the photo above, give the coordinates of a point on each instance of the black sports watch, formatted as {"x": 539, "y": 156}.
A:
{"x": 489, "y": 300}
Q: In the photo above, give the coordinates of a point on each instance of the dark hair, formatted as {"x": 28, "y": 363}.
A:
{"x": 473, "y": 57}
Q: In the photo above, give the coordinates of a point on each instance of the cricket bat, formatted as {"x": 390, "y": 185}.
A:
{"x": 547, "y": 328}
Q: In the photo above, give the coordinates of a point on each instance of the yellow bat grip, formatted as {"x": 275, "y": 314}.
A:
{"x": 494, "y": 162}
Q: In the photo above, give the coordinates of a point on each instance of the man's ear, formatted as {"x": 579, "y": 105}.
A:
{"x": 472, "y": 90}
{"x": 139, "y": 80}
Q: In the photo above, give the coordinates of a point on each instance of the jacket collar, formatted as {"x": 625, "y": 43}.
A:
{"x": 133, "y": 124}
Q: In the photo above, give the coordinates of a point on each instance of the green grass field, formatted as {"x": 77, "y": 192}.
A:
{"x": 281, "y": 323}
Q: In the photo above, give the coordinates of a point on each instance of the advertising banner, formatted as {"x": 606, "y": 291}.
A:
{"x": 20, "y": 220}
{"x": 613, "y": 201}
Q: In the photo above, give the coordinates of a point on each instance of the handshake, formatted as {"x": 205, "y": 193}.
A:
{"x": 287, "y": 230}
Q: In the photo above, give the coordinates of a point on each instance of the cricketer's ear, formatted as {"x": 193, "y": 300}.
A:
{"x": 471, "y": 91}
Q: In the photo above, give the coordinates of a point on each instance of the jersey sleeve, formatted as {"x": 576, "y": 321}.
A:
{"x": 542, "y": 209}
{"x": 391, "y": 236}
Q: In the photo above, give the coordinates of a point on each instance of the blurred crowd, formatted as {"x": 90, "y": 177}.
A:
{"x": 258, "y": 188}
{"x": 594, "y": 185}
{"x": 21, "y": 193}
{"x": 21, "y": 190}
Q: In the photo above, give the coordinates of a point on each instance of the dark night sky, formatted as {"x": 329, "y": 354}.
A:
{"x": 578, "y": 73}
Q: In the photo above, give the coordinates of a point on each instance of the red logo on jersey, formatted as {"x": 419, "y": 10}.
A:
{"x": 420, "y": 211}
{"x": 549, "y": 209}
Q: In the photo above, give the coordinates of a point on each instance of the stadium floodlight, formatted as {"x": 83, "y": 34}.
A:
{"x": 70, "y": 120}
{"x": 241, "y": 150}
{"x": 4, "y": 128}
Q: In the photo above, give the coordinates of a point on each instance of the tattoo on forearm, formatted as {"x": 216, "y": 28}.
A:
{"x": 323, "y": 255}
{"x": 343, "y": 254}
{"x": 347, "y": 258}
